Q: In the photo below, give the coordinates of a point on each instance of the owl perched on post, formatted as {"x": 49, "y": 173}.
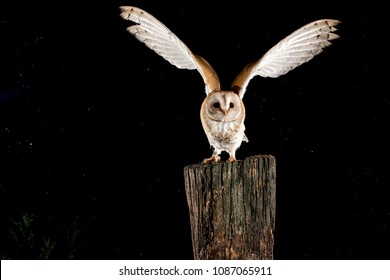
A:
{"x": 222, "y": 112}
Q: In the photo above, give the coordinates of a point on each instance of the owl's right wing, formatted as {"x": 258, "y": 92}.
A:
{"x": 164, "y": 42}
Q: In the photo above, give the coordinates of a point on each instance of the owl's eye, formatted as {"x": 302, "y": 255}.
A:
{"x": 216, "y": 105}
{"x": 231, "y": 105}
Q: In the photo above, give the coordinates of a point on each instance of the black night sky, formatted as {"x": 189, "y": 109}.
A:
{"x": 95, "y": 128}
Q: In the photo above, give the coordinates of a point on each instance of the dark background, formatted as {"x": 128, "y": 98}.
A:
{"x": 88, "y": 172}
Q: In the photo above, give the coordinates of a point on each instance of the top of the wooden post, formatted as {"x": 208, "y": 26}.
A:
{"x": 221, "y": 164}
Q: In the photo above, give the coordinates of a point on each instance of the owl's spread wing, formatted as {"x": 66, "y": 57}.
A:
{"x": 294, "y": 50}
{"x": 159, "y": 38}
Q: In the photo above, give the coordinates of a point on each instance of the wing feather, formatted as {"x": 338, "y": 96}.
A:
{"x": 164, "y": 42}
{"x": 297, "y": 48}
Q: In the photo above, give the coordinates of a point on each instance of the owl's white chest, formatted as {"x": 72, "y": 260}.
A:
{"x": 225, "y": 136}
{"x": 225, "y": 131}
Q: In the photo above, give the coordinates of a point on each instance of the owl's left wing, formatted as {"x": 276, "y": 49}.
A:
{"x": 164, "y": 42}
{"x": 294, "y": 50}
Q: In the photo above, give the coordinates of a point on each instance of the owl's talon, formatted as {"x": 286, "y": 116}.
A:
{"x": 212, "y": 159}
{"x": 231, "y": 159}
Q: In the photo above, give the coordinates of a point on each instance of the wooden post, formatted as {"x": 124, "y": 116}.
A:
{"x": 232, "y": 208}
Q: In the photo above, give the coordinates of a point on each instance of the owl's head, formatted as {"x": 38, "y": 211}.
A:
{"x": 223, "y": 106}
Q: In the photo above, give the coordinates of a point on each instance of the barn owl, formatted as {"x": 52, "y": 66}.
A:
{"x": 222, "y": 112}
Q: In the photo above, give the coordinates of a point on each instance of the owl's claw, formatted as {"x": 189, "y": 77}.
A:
{"x": 231, "y": 159}
{"x": 214, "y": 158}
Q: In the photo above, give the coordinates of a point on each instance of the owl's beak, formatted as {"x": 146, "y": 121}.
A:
{"x": 225, "y": 111}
